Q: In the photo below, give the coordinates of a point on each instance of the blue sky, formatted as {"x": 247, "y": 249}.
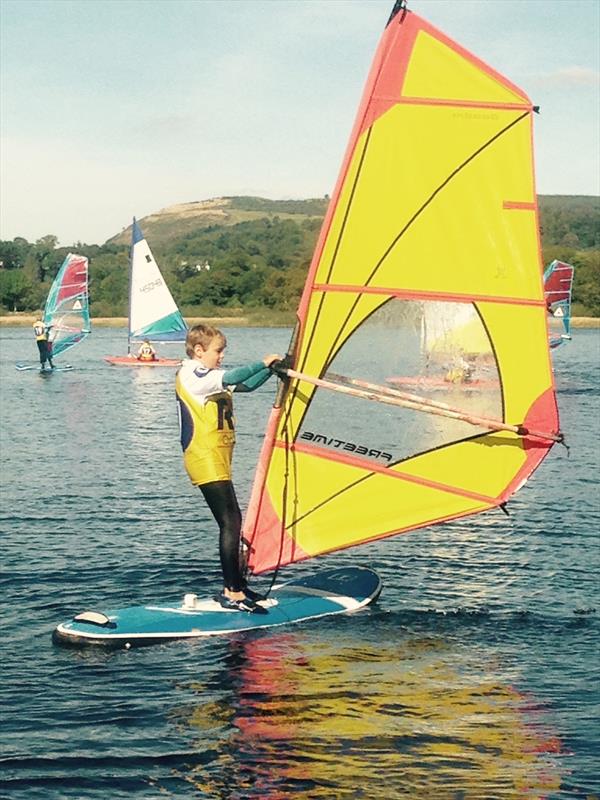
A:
{"x": 116, "y": 108}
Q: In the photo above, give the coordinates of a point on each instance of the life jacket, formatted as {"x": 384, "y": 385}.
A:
{"x": 207, "y": 424}
{"x": 39, "y": 330}
{"x": 146, "y": 353}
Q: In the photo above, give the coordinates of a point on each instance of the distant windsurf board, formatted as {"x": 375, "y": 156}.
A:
{"x": 62, "y": 368}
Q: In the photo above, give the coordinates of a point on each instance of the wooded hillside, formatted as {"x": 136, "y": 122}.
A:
{"x": 241, "y": 253}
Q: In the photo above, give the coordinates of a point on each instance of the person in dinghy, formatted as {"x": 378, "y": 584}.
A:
{"x": 461, "y": 370}
{"x": 204, "y": 396}
{"x": 146, "y": 352}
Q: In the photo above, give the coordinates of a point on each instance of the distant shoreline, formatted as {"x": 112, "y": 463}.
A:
{"x": 585, "y": 322}
{"x": 121, "y": 322}
{"x": 242, "y": 322}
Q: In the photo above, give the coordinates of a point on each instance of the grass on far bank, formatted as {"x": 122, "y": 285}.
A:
{"x": 250, "y": 318}
{"x": 231, "y": 317}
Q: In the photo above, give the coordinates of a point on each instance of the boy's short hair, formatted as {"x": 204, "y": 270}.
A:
{"x": 202, "y": 335}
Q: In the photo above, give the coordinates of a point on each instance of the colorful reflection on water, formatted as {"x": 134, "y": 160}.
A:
{"x": 418, "y": 722}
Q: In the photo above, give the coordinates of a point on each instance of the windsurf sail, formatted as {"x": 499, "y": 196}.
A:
{"x": 558, "y": 287}
{"x": 434, "y": 213}
{"x": 67, "y": 312}
{"x": 153, "y": 313}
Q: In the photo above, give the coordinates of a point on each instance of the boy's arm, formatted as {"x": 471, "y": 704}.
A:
{"x": 237, "y": 375}
{"x": 246, "y": 379}
{"x": 254, "y": 381}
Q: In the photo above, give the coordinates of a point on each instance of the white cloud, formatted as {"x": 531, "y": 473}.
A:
{"x": 568, "y": 78}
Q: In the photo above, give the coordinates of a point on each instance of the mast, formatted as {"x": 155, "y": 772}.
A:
{"x": 133, "y": 227}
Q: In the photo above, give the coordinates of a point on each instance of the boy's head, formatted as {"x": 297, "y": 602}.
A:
{"x": 202, "y": 335}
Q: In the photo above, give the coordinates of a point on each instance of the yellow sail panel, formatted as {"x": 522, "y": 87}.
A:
{"x": 338, "y": 224}
{"x": 434, "y": 213}
{"x": 439, "y": 69}
{"x": 471, "y": 466}
{"x": 408, "y": 183}
{"x": 378, "y": 505}
{"x": 523, "y": 358}
{"x": 417, "y": 231}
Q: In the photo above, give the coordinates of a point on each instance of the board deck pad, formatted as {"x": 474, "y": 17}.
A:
{"x": 334, "y": 591}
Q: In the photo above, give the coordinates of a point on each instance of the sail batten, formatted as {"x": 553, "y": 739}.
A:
{"x": 427, "y": 272}
{"x": 425, "y": 295}
{"x": 426, "y": 101}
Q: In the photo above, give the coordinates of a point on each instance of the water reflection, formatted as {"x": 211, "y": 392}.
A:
{"x": 151, "y": 432}
{"x": 325, "y": 720}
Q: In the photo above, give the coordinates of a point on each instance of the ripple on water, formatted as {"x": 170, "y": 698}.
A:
{"x": 473, "y": 677}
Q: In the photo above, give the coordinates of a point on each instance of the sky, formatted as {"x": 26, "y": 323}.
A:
{"x": 111, "y": 109}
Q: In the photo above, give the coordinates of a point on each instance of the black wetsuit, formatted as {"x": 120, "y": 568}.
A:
{"x": 221, "y": 499}
{"x": 43, "y": 348}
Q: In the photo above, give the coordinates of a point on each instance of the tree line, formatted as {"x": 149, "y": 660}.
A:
{"x": 260, "y": 263}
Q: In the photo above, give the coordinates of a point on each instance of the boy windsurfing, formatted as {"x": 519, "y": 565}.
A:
{"x": 204, "y": 395}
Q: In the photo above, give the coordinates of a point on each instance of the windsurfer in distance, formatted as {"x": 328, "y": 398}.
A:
{"x": 41, "y": 332}
{"x": 146, "y": 352}
{"x": 461, "y": 370}
{"x": 204, "y": 396}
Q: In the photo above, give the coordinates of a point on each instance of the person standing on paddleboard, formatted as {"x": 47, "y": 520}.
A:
{"x": 41, "y": 332}
{"x": 204, "y": 397}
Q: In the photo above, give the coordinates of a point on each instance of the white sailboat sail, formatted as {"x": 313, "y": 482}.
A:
{"x": 153, "y": 313}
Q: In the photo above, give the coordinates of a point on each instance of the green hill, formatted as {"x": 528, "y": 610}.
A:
{"x": 240, "y": 255}
{"x": 186, "y": 218}
{"x": 571, "y": 220}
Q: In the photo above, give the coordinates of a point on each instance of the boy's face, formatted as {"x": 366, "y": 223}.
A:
{"x": 211, "y": 356}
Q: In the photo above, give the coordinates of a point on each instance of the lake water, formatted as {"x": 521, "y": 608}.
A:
{"x": 475, "y": 675}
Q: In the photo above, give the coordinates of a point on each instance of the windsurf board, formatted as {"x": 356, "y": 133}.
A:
{"x": 62, "y": 368}
{"x": 334, "y": 591}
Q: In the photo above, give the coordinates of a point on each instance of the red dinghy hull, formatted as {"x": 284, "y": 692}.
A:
{"x": 131, "y": 361}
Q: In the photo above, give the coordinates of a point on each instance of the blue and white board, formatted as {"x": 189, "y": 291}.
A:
{"x": 62, "y": 368}
{"x": 334, "y": 591}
